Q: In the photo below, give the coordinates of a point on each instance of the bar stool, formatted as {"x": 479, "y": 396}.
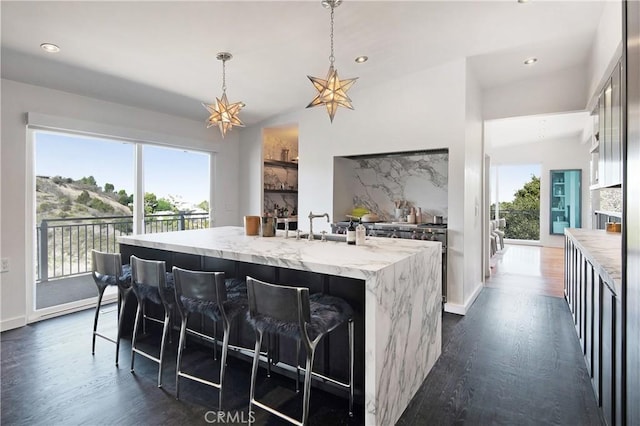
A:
{"x": 291, "y": 312}
{"x": 208, "y": 294}
{"x": 150, "y": 281}
{"x": 107, "y": 270}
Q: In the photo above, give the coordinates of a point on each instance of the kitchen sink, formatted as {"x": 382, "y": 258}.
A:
{"x": 329, "y": 237}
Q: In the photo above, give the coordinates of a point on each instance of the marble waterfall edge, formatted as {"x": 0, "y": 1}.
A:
{"x": 408, "y": 326}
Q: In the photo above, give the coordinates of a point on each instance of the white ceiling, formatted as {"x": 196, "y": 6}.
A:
{"x": 535, "y": 128}
{"x": 161, "y": 55}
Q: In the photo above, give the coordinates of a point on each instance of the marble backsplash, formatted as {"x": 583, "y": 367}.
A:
{"x": 611, "y": 199}
{"x": 419, "y": 180}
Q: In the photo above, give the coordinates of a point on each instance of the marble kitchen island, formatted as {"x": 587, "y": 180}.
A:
{"x": 399, "y": 280}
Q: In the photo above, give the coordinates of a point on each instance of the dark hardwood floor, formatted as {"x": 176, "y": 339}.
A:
{"x": 513, "y": 359}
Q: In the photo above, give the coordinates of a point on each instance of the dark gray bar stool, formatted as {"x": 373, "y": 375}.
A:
{"x": 208, "y": 294}
{"x": 291, "y": 312}
{"x": 107, "y": 270}
{"x": 150, "y": 281}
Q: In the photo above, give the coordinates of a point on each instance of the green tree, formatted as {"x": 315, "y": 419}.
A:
{"x": 150, "y": 202}
{"x": 123, "y": 198}
{"x": 83, "y": 198}
{"x": 89, "y": 181}
{"x": 100, "y": 205}
{"x": 523, "y": 213}
{"x": 204, "y": 205}
{"x": 165, "y": 205}
{"x": 108, "y": 187}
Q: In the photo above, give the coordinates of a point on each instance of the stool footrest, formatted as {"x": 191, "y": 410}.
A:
{"x": 276, "y": 412}
{"x": 199, "y": 380}
{"x": 153, "y": 319}
{"x": 319, "y": 376}
{"x": 146, "y": 355}
{"x": 201, "y": 335}
{"x": 104, "y": 337}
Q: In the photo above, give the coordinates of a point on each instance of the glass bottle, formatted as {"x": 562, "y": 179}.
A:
{"x": 361, "y": 233}
{"x": 351, "y": 233}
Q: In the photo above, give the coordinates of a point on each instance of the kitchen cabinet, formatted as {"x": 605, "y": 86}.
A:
{"x": 607, "y": 152}
{"x": 592, "y": 291}
{"x": 565, "y": 208}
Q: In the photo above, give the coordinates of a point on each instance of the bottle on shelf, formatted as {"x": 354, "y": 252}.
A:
{"x": 361, "y": 234}
{"x": 351, "y": 233}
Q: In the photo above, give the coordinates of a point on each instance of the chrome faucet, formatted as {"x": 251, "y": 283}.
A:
{"x": 311, "y": 217}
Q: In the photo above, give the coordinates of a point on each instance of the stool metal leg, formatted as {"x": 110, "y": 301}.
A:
{"x": 268, "y": 355}
{"x": 351, "y": 355}
{"x": 165, "y": 331}
{"x": 135, "y": 332}
{"x": 181, "y": 346}
{"x": 122, "y": 302}
{"x": 307, "y": 385}
{"x": 144, "y": 319}
{"x": 223, "y": 361}
{"x": 215, "y": 340}
{"x": 95, "y": 320}
{"x": 297, "y": 365}
{"x": 254, "y": 372}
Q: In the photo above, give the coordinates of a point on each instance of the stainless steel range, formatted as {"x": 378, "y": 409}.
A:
{"x": 422, "y": 231}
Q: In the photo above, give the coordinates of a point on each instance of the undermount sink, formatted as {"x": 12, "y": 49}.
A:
{"x": 328, "y": 237}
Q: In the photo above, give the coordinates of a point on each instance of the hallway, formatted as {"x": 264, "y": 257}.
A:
{"x": 531, "y": 269}
{"x": 515, "y": 357}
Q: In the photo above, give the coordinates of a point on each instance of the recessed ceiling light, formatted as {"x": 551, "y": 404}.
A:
{"x": 523, "y": 1}
{"x": 361, "y": 59}
{"x": 530, "y": 61}
{"x": 50, "y": 47}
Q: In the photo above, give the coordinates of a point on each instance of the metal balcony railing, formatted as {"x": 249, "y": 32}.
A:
{"x": 520, "y": 224}
{"x": 63, "y": 246}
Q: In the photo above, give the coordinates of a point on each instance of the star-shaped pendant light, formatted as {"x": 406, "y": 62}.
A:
{"x": 332, "y": 92}
{"x": 223, "y": 114}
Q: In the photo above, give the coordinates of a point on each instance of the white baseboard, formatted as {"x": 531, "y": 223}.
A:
{"x": 11, "y": 323}
{"x": 454, "y": 308}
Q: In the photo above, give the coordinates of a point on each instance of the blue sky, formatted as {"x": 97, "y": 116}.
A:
{"x": 511, "y": 178}
{"x": 167, "y": 171}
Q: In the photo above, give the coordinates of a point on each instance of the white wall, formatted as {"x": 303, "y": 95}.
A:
{"x": 425, "y": 110}
{"x": 473, "y": 189}
{"x": 551, "y": 155}
{"x": 19, "y": 99}
{"x": 562, "y": 91}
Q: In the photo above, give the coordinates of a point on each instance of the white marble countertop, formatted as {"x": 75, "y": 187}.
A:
{"x": 604, "y": 251}
{"x": 330, "y": 257}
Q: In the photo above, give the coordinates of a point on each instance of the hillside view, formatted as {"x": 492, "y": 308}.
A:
{"x": 78, "y": 206}
{"x": 65, "y": 198}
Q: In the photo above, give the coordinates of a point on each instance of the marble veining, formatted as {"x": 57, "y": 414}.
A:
{"x": 604, "y": 250}
{"x": 403, "y": 321}
{"x": 420, "y": 180}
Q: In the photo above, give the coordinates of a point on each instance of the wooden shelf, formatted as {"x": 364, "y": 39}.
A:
{"x": 276, "y": 163}
{"x": 281, "y": 191}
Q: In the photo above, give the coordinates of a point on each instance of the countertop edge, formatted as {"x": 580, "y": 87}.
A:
{"x": 615, "y": 284}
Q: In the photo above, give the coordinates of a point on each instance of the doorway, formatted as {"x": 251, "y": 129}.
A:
{"x": 515, "y": 200}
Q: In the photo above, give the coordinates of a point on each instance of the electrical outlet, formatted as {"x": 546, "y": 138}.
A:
{"x": 5, "y": 265}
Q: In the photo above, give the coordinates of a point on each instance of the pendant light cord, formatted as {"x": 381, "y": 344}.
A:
{"x": 331, "y": 57}
{"x": 224, "y": 78}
